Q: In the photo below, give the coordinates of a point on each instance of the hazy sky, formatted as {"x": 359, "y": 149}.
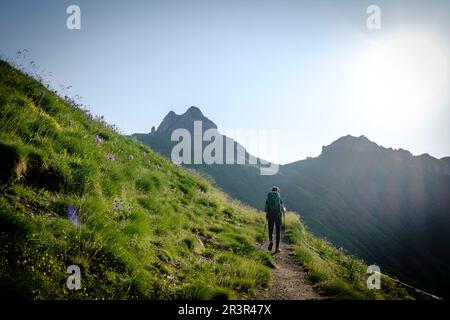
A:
{"x": 311, "y": 69}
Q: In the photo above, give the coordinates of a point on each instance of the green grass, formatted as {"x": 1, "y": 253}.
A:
{"x": 149, "y": 230}
{"x": 335, "y": 274}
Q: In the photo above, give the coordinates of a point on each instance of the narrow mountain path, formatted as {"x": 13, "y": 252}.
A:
{"x": 289, "y": 279}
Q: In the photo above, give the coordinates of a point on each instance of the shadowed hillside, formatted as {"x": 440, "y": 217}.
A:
{"x": 386, "y": 205}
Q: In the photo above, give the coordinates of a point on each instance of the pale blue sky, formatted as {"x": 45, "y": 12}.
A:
{"x": 286, "y": 65}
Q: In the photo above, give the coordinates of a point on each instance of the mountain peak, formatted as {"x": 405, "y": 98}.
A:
{"x": 186, "y": 120}
{"x": 194, "y": 111}
{"x": 349, "y": 142}
{"x": 349, "y": 139}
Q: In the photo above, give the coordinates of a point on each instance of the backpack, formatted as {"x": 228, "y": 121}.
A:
{"x": 273, "y": 205}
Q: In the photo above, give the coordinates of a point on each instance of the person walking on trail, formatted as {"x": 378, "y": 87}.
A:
{"x": 274, "y": 209}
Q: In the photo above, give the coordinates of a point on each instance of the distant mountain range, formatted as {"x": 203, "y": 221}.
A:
{"x": 387, "y": 206}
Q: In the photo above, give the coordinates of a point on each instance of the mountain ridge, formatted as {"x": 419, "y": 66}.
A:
{"x": 184, "y": 120}
{"x": 350, "y": 140}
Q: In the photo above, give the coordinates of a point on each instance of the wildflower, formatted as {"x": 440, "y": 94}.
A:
{"x": 98, "y": 139}
{"x": 71, "y": 122}
{"x": 131, "y": 157}
{"x": 72, "y": 214}
{"x": 111, "y": 158}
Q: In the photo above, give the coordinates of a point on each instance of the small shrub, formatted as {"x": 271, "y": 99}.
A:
{"x": 208, "y": 253}
{"x": 265, "y": 258}
{"x": 104, "y": 136}
{"x": 189, "y": 242}
{"x": 341, "y": 290}
{"x": 204, "y": 201}
{"x": 151, "y": 204}
{"x": 48, "y": 176}
{"x": 216, "y": 228}
{"x": 148, "y": 183}
{"x": 237, "y": 242}
{"x": 203, "y": 187}
{"x": 50, "y": 104}
{"x": 12, "y": 164}
{"x": 220, "y": 294}
{"x": 81, "y": 173}
{"x": 229, "y": 213}
{"x": 200, "y": 291}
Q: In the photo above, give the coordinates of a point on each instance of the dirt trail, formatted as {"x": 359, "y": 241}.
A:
{"x": 289, "y": 279}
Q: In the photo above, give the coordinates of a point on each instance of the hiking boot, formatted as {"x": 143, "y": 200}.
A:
{"x": 277, "y": 250}
{"x": 270, "y": 246}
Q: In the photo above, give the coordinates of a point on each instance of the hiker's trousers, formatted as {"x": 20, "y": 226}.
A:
{"x": 274, "y": 221}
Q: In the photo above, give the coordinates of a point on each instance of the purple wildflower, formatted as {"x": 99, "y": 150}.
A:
{"x": 98, "y": 139}
{"x": 131, "y": 157}
{"x": 111, "y": 158}
{"x": 72, "y": 214}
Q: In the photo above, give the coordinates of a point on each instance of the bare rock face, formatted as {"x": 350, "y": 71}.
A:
{"x": 186, "y": 120}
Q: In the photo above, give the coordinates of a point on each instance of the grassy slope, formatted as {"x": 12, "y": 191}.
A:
{"x": 148, "y": 228}
{"x": 333, "y": 272}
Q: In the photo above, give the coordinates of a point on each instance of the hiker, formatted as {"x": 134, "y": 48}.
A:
{"x": 274, "y": 209}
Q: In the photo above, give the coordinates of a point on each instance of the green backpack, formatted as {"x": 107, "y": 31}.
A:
{"x": 273, "y": 204}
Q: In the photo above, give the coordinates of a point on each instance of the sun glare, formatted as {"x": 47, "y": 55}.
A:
{"x": 401, "y": 75}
